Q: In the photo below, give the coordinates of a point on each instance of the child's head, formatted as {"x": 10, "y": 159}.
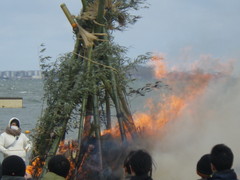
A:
{"x": 204, "y": 166}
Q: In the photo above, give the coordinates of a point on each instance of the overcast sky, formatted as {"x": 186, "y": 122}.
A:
{"x": 171, "y": 27}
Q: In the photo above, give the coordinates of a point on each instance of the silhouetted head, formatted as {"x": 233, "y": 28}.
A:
{"x": 140, "y": 163}
{"x": 204, "y": 166}
{"x": 13, "y": 166}
{"x": 59, "y": 165}
{"x": 126, "y": 164}
{"x": 221, "y": 157}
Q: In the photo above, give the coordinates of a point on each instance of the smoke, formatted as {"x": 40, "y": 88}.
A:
{"x": 208, "y": 120}
{"x": 212, "y": 117}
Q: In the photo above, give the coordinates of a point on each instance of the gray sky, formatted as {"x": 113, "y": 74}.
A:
{"x": 171, "y": 27}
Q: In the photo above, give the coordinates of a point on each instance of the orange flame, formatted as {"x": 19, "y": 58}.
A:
{"x": 160, "y": 68}
{"x": 114, "y": 132}
{"x": 69, "y": 148}
{"x": 186, "y": 86}
{"x": 66, "y": 148}
{"x": 34, "y": 167}
{"x": 153, "y": 121}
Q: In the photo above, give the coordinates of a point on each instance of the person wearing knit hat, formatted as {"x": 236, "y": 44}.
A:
{"x": 13, "y": 167}
{"x": 204, "y": 169}
{"x": 13, "y": 141}
{"x": 58, "y": 167}
{"x": 221, "y": 162}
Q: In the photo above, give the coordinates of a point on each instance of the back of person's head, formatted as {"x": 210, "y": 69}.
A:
{"x": 126, "y": 164}
{"x": 204, "y": 166}
{"x": 141, "y": 163}
{"x": 221, "y": 157}
{"x": 59, "y": 165}
{"x": 13, "y": 166}
{"x": 0, "y": 170}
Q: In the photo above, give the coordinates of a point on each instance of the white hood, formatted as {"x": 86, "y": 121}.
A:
{"x": 13, "y": 118}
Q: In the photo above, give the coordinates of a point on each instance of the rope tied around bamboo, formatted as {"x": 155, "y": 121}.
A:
{"x": 94, "y": 62}
{"x": 88, "y": 37}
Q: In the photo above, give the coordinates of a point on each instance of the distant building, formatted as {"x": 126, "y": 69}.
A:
{"x": 21, "y": 74}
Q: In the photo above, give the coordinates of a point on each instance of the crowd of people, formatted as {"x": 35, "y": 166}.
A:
{"x": 137, "y": 165}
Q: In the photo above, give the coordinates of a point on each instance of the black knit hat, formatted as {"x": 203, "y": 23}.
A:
{"x": 204, "y": 165}
{"x": 59, "y": 165}
{"x": 13, "y": 166}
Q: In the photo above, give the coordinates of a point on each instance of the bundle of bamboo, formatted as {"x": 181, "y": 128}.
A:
{"x": 90, "y": 80}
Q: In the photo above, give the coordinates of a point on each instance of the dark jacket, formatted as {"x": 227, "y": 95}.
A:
{"x": 144, "y": 177}
{"x": 52, "y": 176}
{"x": 0, "y": 170}
{"x": 12, "y": 178}
{"x": 224, "y": 175}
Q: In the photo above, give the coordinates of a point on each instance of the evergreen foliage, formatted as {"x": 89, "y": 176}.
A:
{"x": 79, "y": 82}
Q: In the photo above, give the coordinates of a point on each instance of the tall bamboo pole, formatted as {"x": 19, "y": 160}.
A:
{"x": 84, "y": 4}
{"x": 85, "y": 97}
{"x": 128, "y": 120}
{"x": 100, "y": 20}
{"x": 97, "y": 130}
{"x": 54, "y": 147}
{"x": 108, "y": 110}
{"x": 117, "y": 105}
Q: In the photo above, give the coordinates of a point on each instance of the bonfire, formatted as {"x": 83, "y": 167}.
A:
{"x": 87, "y": 91}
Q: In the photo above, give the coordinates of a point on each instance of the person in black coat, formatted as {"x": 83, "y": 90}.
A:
{"x": 221, "y": 161}
{"x": 138, "y": 165}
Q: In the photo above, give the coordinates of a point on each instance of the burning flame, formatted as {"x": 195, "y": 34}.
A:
{"x": 160, "y": 68}
{"x": 34, "y": 167}
{"x": 186, "y": 86}
{"x": 114, "y": 132}
{"x": 66, "y": 148}
{"x": 69, "y": 148}
{"x": 152, "y": 121}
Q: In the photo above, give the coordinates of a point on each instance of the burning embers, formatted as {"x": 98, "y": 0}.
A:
{"x": 67, "y": 148}
{"x": 87, "y": 167}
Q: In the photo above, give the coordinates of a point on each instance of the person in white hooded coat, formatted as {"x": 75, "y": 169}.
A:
{"x": 13, "y": 141}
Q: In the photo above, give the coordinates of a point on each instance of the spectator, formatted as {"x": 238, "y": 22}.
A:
{"x": 13, "y": 168}
{"x": 126, "y": 166}
{"x": 140, "y": 165}
{"x": 58, "y": 167}
{"x": 13, "y": 141}
{"x": 221, "y": 162}
{"x": 204, "y": 169}
{"x": 0, "y": 170}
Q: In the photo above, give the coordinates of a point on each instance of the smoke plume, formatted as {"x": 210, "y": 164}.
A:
{"x": 209, "y": 119}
